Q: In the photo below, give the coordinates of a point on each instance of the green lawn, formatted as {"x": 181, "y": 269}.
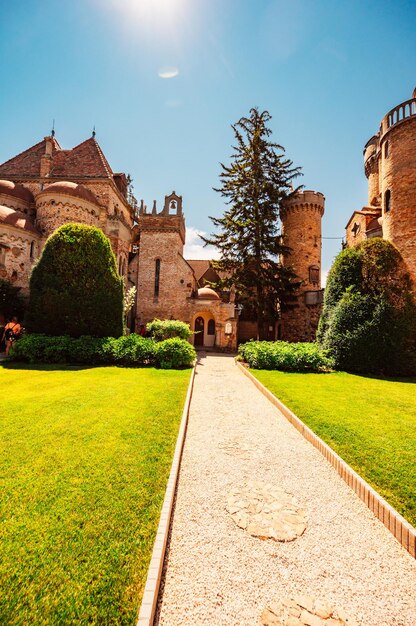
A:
{"x": 84, "y": 459}
{"x": 369, "y": 422}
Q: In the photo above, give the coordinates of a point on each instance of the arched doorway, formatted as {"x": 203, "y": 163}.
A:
{"x": 199, "y": 331}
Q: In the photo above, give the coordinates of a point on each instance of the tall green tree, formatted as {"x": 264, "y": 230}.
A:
{"x": 255, "y": 185}
{"x": 75, "y": 288}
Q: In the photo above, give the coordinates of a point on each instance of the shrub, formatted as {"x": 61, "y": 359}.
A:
{"x": 132, "y": 350}
{"x": 284, "y": 356}
{"x": 368, "y": 321}
{"x": 174, "y": 353}
{"x": 75, "y": 288}
{"x": 166, "y": 329}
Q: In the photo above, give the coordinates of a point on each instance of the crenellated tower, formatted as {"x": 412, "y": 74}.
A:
{"x": 390, "y": 167}
{"x": 301, "y": 219}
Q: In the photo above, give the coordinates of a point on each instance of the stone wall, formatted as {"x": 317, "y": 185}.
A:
{"x": 398, "y": 175}
{"x": 54, "y": 210}
{"x": 15, "y": 256}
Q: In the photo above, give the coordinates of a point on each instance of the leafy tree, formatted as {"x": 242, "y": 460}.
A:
{"x": 368, "y": 320}
{"x": 255, "y": 185}
{"x": 75, "y": 288}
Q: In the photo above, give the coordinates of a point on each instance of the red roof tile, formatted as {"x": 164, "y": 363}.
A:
{"x": 17, "y": 219}
{"x": 27, "y": 163}
{"x": 84, "y": 161}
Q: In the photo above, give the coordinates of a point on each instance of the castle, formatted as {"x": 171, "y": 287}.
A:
{"x": 46, "y": 186}
{"x": 390, "y": 167}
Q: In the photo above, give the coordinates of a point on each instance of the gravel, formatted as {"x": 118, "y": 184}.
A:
{"x": 217, "y": 574}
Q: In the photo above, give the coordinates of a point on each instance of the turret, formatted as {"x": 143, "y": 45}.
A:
{"x": 301, "y": 219}
{"x": 390, "y": 166}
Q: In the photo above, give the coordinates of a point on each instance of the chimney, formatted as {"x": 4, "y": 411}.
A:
{"x": 46, "y": 159}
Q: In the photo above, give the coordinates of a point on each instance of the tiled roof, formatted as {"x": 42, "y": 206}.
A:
{"x": 84, "y": 161}
{"x": 17, "y": 219}
{"x": 27, "y": 163}
{"x": 199, "y": 267}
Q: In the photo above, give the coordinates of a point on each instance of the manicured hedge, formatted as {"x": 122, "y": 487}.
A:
{"x": 132, "y": 350}
{"x": 368, "y": 321}
{"x": 75, "y": 288}
{"x": 165, "y": 329}
{"x": 284, "y": 356}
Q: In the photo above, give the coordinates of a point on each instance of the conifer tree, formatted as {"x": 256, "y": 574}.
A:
{"x": 255, "y": 186}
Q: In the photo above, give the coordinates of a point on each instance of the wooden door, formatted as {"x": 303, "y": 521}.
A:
{"x": 199, "y": 331}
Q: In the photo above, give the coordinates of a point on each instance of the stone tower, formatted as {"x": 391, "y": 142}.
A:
{"x": 163, "y": 282}
{"x": 301, "y": 228}
{"x": 390, "y": 166}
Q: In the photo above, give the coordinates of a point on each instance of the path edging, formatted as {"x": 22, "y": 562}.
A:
{"x": 151, "y": 589}
{"x": 402, "y": 530}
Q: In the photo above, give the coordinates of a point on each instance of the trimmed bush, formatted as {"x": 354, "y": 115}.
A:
{"x": 75, "y": 288}
{"x": 284, "y": 356}
{"x": 368, "y": 321}
{"x": 174, "y": 353}
{"x": 166, "y": 329}
{"x": 132, "y": 350}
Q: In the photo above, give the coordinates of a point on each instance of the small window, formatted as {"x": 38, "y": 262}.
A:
{"x": 32, "y": 249}
{"x": 314, "y": 274}
{"x": 387, "y": 201}
{"x": 386, "y": 149}
{"x": 157, "y": 278}
{"x": 211, "y": 327}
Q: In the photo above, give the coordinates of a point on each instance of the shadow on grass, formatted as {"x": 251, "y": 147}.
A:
{"x": 45, "y": 367}
{"x": 391, "y": 379}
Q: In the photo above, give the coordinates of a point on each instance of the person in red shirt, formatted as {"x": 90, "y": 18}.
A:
{"x": 11, "y": 332}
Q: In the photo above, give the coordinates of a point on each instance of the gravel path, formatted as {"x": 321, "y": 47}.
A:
{"x": 217, "y": 574}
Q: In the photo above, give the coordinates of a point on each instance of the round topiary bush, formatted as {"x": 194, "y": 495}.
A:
{"x": 368, "y": 320}
{"x": 75, "y": 288}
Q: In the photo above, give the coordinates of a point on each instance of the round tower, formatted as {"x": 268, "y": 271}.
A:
{"x": 301, "y": 219}
{"x": 395, "y": 154}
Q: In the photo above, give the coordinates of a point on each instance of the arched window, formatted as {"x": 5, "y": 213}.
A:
{"x": 386, "y": 149}
{"x": 387, "y": 201}
{"x": 157, "y": 277}
{"x": 211, "y": 327}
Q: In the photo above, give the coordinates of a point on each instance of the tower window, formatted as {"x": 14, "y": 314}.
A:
{"x": 386, "y": 149}
{"x": 387, "y": 201}
{"x": 157, "y": 277}
{"x": 32, "y": 249}
{"x": 314, "y": 274}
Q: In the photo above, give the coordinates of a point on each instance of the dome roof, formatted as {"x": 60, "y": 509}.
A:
{"x": 8, "y": 188}
{"x": 17, "y": 219}
{"x": 206, "y": 293}
{"x": 71, "y": 189}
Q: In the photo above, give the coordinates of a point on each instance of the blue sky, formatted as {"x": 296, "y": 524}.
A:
{"x": 326, "y": 70}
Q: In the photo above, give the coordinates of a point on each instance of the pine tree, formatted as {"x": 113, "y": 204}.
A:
{"x": 255, "y": 185}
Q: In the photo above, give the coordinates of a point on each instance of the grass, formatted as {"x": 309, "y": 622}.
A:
{"x": 84, "y": 460}
{"x": 369, "y": 422}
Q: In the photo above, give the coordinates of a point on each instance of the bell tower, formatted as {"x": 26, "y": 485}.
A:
{"x": 164, "y": 278}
